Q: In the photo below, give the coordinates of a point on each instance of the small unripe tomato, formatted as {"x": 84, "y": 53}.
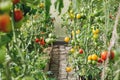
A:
{"x": 94, "y": 62}
{"x": 89, "y": 61}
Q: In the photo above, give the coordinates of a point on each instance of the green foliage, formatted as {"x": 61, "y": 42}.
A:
{"x": 47, "y": 9}
{"x": 59, "y": 5}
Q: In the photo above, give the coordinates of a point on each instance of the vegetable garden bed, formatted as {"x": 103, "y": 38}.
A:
{"x": 28, "y": 46}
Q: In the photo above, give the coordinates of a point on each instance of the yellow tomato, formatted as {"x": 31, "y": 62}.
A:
{"x": 67, "y": 39}
{"x": 68, "y": 69}
{"x": 71, "y": 11}
{"x": 72, "y": 16}
{"x": 97, "y": 31}
{"x": 72, "y": 33}
{"x": 72, "y": 50}
{"x": 78, "y": 16}
{"x": 41, "y": 5}
{"x": 94, "y": 57}
{"x": 90, "y": 57}
{"x": 78, "y": 31}
{"x": 93, "y": 31}
{"x": 95, "y": 36}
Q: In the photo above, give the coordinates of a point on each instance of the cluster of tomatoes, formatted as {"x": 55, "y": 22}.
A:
{"x": 6, "y": 17}
{"x": 95, "y": 33}
{"x": 75, "y": 16}
{"x": 94, "y": 58}
{"x": 40, "y": 41}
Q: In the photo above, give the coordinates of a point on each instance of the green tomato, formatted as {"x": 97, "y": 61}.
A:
{"x": 72, "y": 42}
{"x": 94, "y": 62}
{"x": 5, "y": 6}
{"x": 48, "y": 40}
{"x": 89, "y": 61}
{"x": 51, "y": 35}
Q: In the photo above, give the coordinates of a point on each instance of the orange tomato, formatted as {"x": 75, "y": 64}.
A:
{"x": 68, "y": 69}
{"x": 67, "y": 39}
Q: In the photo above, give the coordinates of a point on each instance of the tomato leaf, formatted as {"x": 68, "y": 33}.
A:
{"x": 47, "y": 9}
{"x": 4, "y": 39}
{"x": 59, "y": 5}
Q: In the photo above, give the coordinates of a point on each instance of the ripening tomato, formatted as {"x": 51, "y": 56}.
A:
{"x": 15, "y": 1}
{"x": 105, "y": 53}
{"x": 18, "y": 15}
{"x": 5, "y": 23}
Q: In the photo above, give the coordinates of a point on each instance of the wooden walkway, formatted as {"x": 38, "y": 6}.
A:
{"x": 58, "y": 62}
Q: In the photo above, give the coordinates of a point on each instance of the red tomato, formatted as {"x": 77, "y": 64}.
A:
{"x": 81, "y": 51}
{"x": 100, "y": 60}
{"x": 105, "y": 53}
{"x": 18, "y": 15}
{"x": 5, "y": 23}
{"x": 37, "y": 40}
{"x": 15, "y": 1}
{"x": 42, "y": 42}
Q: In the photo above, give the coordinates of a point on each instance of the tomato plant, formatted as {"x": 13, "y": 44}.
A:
{"x": 23, "y": 30}
{"x": 94, "y": 20}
